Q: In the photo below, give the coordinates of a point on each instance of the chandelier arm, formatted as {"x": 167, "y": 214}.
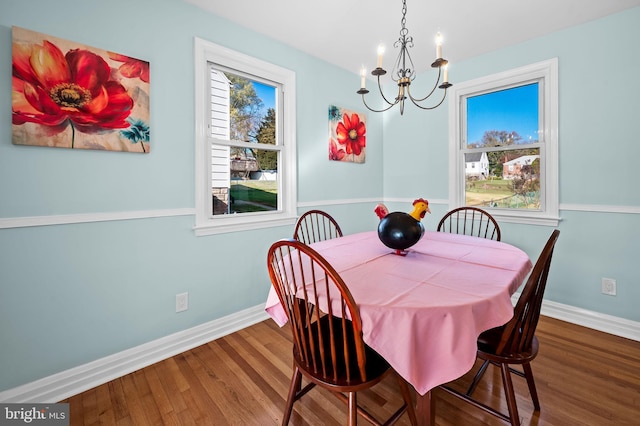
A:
{"x": 383, "y": 96}
{"x": 444, "y": 96}
{"x": 377, "y": 110}
{"x": 435, "y": 86}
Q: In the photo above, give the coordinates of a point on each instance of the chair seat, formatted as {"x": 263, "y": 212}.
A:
{"x": 488, "y": 343}
{"x": 376, "y": 367}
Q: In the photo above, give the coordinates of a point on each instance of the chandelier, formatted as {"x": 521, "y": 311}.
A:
{"x": 404, "y": 73}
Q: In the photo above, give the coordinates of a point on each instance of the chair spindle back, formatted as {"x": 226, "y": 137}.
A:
{"x": 327, "y": 331}
{"x": 518, "y": 333}
{"x": 470, "y": 221}
{"x": 316, "y": 225}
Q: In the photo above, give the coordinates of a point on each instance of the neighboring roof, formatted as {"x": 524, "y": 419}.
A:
{"x": 473, "y": 157}
{"x": 525, "y": 159}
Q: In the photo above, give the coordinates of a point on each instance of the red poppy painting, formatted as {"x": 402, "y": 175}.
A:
{"x": 67, "y": 95}
{"x": 347, "y": 135}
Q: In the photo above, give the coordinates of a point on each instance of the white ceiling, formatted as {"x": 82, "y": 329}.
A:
{"x": 347, "y": 32}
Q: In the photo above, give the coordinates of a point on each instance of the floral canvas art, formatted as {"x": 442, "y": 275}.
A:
{"x": 68, "y": 95}
{"x": 347, "y": 135}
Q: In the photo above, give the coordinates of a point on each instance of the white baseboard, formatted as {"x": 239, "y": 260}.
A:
{"x": 602, "y": 322}
{"x": 595, "y": 320}
{"x": 71, "y": 382}
{"x": 79, "y": 379}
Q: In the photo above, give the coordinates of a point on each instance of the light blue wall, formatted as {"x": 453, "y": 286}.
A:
{"x": 599, "y": 101}
{"x": 70, "y": 294}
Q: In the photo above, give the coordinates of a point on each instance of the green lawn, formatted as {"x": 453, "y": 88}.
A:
{"x": 497, "y": 186}
{"x": 254, "y": 195}
{"x": 498, "y": 193}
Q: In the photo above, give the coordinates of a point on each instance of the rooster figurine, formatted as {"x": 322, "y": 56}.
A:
{"x": 399, "y": 230}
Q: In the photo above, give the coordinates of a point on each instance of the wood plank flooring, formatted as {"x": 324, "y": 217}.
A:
{"x": 584, "y": 377}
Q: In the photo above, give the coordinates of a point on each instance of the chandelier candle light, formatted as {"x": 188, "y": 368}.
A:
{"x": 404, "y": 73}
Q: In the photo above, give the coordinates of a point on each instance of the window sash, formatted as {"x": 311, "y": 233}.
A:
{"x": 545, "y": 73}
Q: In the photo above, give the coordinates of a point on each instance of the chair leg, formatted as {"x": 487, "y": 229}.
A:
{"x": 296, "y": 383}
{"x": 353, "y": 409}
{"x": 528, "y": 374}
{"x": 477, "y": 377}
{"x": 510, "y": 395}
{"x": 406, "y": 395}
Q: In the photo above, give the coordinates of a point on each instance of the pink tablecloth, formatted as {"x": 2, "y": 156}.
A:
{"x": 423, "y": 312}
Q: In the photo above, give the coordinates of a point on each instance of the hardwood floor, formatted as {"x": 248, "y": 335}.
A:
{"x": 584, "y": 377}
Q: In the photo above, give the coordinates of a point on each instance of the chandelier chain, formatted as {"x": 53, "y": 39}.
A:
{"x": 404, "y": 31}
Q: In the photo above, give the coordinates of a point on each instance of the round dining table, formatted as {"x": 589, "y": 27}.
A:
{"x": 423, "y": 311}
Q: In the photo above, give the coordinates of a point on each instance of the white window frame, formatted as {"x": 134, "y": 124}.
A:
{"x": 545, "y": 73}
{"x": 207, "y": 53}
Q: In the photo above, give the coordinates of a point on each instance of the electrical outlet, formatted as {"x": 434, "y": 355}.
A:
{"x": 182, "y": 302}
{"x": 609, "y": 286}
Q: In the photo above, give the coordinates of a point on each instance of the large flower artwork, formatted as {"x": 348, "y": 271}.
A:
{"x": 67, "y": 95}
{"x": 347, "y": 135}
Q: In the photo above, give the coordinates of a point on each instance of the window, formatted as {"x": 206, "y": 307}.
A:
{"x": 245, "y": 142}
{"x": 503, "y": 154}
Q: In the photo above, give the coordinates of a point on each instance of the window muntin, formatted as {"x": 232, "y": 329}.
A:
{"x": 245, "y": 142}
{"x": 501, "y": 158}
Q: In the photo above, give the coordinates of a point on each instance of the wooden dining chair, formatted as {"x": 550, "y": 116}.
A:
{"x": 316, "y": 225}
{"x": 328, "y": 348}
{"x": 470, "y": 221}
{"x": 515, "y": 342}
